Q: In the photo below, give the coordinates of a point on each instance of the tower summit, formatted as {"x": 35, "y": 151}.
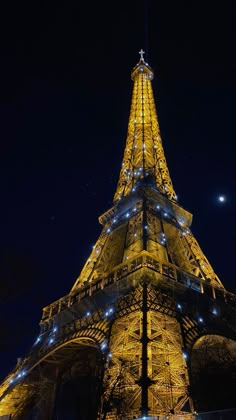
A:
{"x": 128, "y": 340}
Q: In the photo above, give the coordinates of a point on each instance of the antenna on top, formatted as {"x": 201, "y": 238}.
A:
{"x": 141, "y": 52}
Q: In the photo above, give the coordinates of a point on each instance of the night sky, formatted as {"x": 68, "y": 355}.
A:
{"x": 65, "y": 99}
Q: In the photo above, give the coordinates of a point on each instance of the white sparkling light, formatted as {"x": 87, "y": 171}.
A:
{"x": 38, "y": 340}
{"x": 109, "y": 312}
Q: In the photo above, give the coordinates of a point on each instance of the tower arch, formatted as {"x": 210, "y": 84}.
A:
{"x": 213, "y": 372}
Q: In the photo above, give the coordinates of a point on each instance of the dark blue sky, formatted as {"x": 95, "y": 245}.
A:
{"x": 65, "y": 98}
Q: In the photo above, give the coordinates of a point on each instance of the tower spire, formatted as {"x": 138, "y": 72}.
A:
{"x": 144, "y": 154}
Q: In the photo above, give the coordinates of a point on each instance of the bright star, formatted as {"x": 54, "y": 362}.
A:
{"x": 221, "y": 199}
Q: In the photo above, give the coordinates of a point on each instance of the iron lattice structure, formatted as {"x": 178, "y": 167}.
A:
{"x": 145, "y": 296}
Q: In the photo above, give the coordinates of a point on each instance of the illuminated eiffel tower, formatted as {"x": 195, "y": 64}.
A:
{"x": 121, "y": 344}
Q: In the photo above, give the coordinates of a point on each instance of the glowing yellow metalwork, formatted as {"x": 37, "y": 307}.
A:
{"x": 144, "y": 154}
{"x": 186, "y": 253}
{"x": 166, "y": 368}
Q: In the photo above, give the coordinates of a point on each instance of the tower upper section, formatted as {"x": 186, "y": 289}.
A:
{"x": 144, "y": 155}
{"x": 148, "y": 219}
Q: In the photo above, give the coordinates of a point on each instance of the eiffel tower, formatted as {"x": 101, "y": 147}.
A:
{"x": 121, "y": 344}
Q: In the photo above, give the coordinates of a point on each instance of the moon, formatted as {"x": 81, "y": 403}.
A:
{"x": 221, "y": 198}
